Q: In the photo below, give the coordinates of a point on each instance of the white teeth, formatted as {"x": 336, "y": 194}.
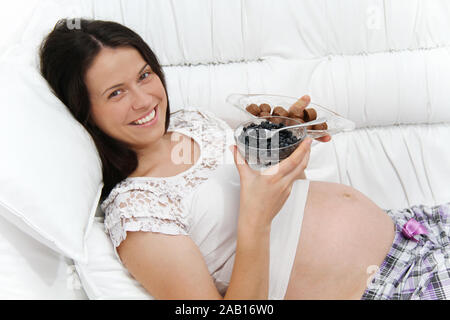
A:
{"x": 147, "y": 118}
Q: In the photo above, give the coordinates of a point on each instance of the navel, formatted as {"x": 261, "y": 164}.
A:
{"x": 347, "y": 195}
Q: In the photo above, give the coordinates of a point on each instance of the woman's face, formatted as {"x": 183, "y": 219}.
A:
{"x": 128, "y": 100}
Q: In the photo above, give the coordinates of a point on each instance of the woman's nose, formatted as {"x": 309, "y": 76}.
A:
{"x": 141, "y": 99}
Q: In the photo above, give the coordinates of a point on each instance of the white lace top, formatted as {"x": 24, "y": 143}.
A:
{"x": 202, "y": 202}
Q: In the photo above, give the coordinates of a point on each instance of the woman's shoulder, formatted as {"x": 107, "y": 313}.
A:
{"x": 195, "y": 116}
{"x": 152, "y": 192}
{"x": 136, "y": 191}
{"x": 143, "y": 205}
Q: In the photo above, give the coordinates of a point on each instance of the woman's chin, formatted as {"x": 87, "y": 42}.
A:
{"x": 145, "y": 140}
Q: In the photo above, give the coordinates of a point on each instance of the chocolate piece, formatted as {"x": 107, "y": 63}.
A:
{"x": 264, "y": 114}
{"x": 265, "y": 107}
{"x": 321, "y": 126}
{"x": 276, "y": 120}
{"x": 309, "y": 114}
{"x": 280, "y": 111}
{"x": 253, "y": 109}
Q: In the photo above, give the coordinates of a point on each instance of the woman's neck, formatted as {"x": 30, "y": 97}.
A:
{"x": 153, "y": 155}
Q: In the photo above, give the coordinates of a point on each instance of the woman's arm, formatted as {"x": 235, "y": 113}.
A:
{"x": 172, "y": 267}
{"x": 167, "y": 266}
{"x": 250, "y": 276}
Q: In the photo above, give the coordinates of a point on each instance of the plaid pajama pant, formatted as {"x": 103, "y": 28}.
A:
{"x": 415, "y": 268}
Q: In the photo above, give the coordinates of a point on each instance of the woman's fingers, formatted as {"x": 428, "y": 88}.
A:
{"x": 300, "y": 105}
{"x": 240, "y": 162}
{"x": 306, "y": 99}
{"x": 298, "y": 172}
{"x": 324, "y": 138}
{"x": 292, "y": 166}
{"x": 303, "y": 102}
{"x": 294, "y": 160}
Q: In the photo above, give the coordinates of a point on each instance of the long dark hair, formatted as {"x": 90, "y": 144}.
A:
{"x": 66, "y": 54}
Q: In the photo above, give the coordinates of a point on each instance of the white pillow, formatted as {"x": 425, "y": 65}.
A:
{"x": 104, "y": 276}
{"x": 30, "y": 270}
{"x": 51, "y": 177}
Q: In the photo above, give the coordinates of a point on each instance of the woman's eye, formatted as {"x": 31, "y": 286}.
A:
{"x": 145, "y": 75}
{"x": 114, "y": 94}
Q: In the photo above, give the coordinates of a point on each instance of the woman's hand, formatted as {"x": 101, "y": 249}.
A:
{"x": 303, "y": 102}
{"x": 264, "y": 193}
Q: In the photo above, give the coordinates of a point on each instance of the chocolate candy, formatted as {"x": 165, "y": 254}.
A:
{"x": 276, "y": 120}
{"x": 297, "y": 112}
{"x": 265, "y": 107}
{"x": 253, "y": 109}
{"x": 309, "y": 114}
{"x": 280, "y": 111}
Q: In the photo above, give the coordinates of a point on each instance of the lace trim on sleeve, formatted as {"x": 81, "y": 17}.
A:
{"x": 118, "y": 231}
{"x": 136, "y": 209}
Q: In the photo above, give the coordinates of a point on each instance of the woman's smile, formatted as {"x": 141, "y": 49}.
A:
{"x": 148, "y": 120}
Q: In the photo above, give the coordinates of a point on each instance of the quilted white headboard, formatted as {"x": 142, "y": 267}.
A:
{"x": 383, "y": 64}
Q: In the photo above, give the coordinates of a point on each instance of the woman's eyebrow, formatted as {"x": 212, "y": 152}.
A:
{"x": 121, "y": 84}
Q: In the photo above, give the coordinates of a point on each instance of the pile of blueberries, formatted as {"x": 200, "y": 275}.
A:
{"x": 257, "y": 139}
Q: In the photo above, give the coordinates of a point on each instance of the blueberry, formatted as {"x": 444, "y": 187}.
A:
{"x": 283, "y": 139}
{"x": 266, "y": 125}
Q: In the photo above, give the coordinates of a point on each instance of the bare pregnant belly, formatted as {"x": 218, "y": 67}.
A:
{"x": 344, "y": 235}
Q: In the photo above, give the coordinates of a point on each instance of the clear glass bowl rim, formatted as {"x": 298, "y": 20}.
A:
{"x": 242, "y": 124}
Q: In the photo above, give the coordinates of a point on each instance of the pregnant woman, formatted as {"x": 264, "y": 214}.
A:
{"x": 190, "y": 219}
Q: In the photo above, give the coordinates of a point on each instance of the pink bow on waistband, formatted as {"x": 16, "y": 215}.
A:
{"x": 413, "y": 228}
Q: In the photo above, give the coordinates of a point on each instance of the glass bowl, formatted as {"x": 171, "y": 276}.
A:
{"x": 335, "y": 122}
{"x": 257, "y": 152}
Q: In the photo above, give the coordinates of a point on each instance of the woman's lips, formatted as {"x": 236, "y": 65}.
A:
{"x": 151, "y": 122}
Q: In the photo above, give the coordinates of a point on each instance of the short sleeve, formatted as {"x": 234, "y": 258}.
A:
{"x": 141, "y": 210}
